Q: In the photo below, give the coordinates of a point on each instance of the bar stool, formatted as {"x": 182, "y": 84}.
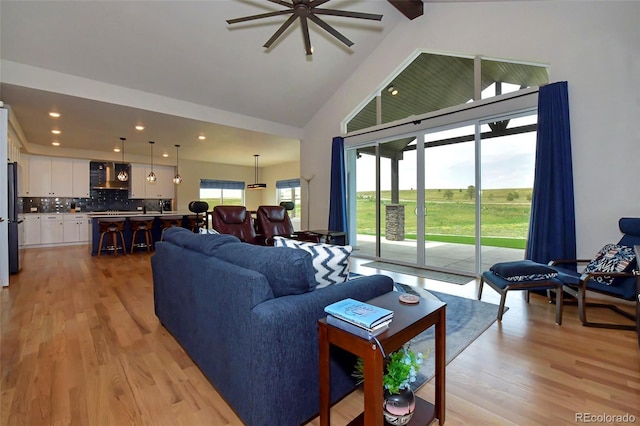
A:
{"x": 113, "y": 228}
{"x": 196, "y": 222}
{"x": 142, "y": 224}
{"x": 169, "y": 222}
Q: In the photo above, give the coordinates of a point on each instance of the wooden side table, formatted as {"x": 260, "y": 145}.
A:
{"x": 637, "y": 250}
{"x": 408, "y": 322}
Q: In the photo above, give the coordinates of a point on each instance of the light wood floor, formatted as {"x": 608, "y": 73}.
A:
{"x": 80, "y": 345}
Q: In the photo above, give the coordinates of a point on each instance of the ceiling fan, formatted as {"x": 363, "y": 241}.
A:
{"x": 307, "y": 9}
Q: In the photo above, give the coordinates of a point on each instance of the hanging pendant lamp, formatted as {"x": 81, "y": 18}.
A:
{"x": 152, "y": 176}
{"x": 177, "y": 179}
{"x": 256, "y": 185}
{"x": 123, "y": 176}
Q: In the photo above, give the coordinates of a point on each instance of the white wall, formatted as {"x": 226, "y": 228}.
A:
{"x": 594, "y": 45}
{"x": 193, "y": 171}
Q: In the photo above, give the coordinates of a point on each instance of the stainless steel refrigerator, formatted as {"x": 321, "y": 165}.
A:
{"x": 15, "y": 225}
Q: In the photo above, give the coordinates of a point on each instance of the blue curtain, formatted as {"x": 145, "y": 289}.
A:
{"x": 552, "y": 228}
{"x": 221, "y": 184}
{"x": 288, "y": 183}
{"x": 338, "y": 194}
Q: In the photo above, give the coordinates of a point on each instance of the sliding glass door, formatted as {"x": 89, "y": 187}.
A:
{"x": 456, "y": 201}
{"x": 450, "y": 199}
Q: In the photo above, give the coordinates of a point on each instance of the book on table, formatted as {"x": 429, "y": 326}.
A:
{"x": 349, "y": 327}
{"x": 361, "y": 314}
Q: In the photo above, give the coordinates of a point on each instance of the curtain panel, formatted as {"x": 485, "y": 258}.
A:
{"x": 288, "y": 183}
{"x": 221, "y": 184}
{"x": 552, "y": 229}
{"x": 338, "y": 192}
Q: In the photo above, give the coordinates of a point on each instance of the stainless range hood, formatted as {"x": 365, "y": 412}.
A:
{"x": 108, "y": 178}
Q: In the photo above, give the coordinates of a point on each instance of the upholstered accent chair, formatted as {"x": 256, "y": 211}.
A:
{"x": 272, "y": 221}
{"x": 612, "y": 272}
{"x": 234, "y": 220}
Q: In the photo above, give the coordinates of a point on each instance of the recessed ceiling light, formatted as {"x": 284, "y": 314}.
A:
{"x": 56, "y": 132}
{"x": 55, "y": 143}
{"x": 116, "y": 149}
{"x": 139, "y": 127}
{"x": 165, "y": 155}
{"x": 54, "y": 114}
{"x": 202, "y": 137}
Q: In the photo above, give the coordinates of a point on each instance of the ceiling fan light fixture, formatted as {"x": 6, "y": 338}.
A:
{"x": 177, "y": 179}
{"x": 123, "y": 176}
{"x": 256, "y": 185}
{"x": 306, "y": 10}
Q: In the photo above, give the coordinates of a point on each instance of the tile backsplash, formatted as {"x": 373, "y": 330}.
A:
{"x": 99, "y": 200}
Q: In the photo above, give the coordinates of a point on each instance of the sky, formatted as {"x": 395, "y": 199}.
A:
{"x": 506, "y": 162}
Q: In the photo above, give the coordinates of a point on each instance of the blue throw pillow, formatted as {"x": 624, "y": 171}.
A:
{"x": 523, "y": 270}
{"x": 611, "y": 258}
{"x": 289, "y": 271}
{"x": 203, "y": 243}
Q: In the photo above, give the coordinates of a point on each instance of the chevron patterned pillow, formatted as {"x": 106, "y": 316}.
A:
{"x": 331, "y": 263}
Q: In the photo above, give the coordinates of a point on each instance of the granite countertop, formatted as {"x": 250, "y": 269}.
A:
{"x": 155, "y": 213}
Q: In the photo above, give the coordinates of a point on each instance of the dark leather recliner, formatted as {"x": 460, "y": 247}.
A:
{"x": 234, "y": 220}
{"x": 274, "y": 221}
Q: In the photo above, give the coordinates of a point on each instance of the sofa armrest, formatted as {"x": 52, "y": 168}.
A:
{"x": 285, "y": 336}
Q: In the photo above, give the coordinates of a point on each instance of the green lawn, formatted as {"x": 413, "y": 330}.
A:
{"x": 451, "y": 215}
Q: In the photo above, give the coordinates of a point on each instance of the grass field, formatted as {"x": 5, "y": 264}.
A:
{"x": 451, "y": 215}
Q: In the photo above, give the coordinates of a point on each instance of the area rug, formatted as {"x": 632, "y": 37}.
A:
{"x": 419, "y": 272}
{"x": 466, "y": 319}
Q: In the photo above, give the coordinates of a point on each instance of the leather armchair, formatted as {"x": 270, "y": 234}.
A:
{"x": 274, "y": 221}
{"x": 234, "y": 220}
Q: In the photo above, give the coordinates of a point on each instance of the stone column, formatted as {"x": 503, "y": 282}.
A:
{"x": 394, "y": 222}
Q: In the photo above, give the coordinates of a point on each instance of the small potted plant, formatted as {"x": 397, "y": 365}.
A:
{"x": 401, "y": 369}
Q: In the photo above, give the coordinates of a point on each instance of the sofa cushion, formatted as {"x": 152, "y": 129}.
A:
{"x": 611, "y": 258}
{"x": 330, "y": 263}
{"x": 523, "y": 270}
{"x": 288, "y": 271}
{"x": 206, "y": 244}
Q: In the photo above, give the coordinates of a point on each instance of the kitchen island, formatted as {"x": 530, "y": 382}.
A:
{"x": 156, "y": 230}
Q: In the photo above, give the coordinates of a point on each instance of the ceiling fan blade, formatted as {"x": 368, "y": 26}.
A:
{"x": 278, "y": 33}
{"x": 305, "y": 33}
{"x": 328, "y": 28}
{"x": 347, "y": 14}
{"x": 262, "y": 15}
{"x": 316, "y": 3}
{"x": 283, "y": 3}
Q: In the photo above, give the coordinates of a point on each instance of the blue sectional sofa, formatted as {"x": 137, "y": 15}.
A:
{"x": 247, "y": 316}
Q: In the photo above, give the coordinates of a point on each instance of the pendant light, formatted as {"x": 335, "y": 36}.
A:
{"x": 123, "y": 176}
{"x": 177, "y": 178}
{"x": 256, "y": 185}
{"x": 152, "y": 176}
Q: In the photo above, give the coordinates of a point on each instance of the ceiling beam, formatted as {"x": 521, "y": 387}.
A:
{"x": 409, "y": 8}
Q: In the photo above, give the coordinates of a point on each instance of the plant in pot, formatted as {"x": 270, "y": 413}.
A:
{"x": 401, "y": 369}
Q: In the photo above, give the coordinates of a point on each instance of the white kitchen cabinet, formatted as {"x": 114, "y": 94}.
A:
{"x": 81, "y": 179}
{"x": 23, "y": 176}
{"x": 50, "y": 177}
{"x": 75, "y": 228}
{"x": 51, "y": 228}
{"x": 162, "y": 188}
{"x": 31, "y": 227}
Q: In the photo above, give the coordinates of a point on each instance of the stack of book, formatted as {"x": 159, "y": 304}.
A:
{"x": 359, "y": 318}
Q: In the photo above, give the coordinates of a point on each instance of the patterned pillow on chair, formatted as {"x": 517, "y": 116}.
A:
{"x": 331, "y": 263}
{"x": 611, "y": 258}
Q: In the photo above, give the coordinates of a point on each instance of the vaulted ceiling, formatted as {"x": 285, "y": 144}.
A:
{"x": 182, "y": 51}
